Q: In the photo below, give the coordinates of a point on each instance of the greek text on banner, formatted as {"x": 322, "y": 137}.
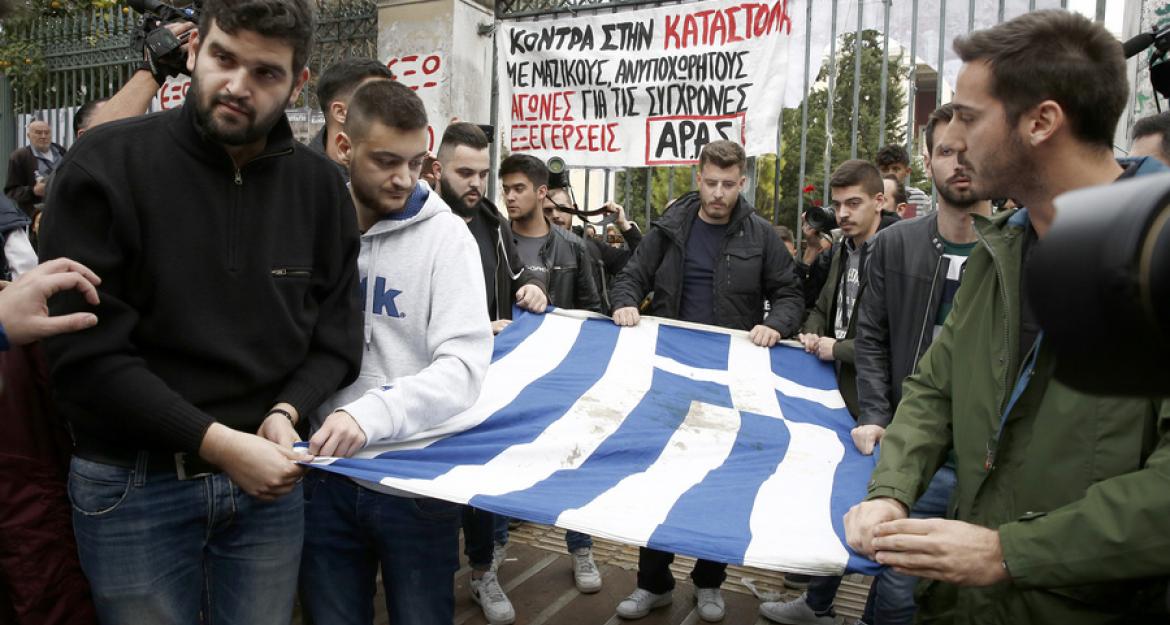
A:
{"x": 646, "y": 87}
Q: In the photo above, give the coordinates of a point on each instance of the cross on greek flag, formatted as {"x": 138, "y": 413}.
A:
{"x": 682, "y": 437}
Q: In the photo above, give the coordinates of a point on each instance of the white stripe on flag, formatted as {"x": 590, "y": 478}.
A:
{"x": 568, "y": 441}
{"x": 700, "y": 444}
{"x": 805, "y": 474}
{"x": 533, "y": 358}
{"x": 826, "y": 398}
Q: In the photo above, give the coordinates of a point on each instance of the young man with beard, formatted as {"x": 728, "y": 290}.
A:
{"x": 556, "y": 255}
{"x": 461, "y": 170}
{"x": 681, "y": 261}
{"x": 857, "y": 197}
{"x": 227, "y": 256}
{"x": 427, "y": 348}
{"x": 1060, "y": 505}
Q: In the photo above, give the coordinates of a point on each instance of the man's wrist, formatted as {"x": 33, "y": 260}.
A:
{"x": 286, "y": 410}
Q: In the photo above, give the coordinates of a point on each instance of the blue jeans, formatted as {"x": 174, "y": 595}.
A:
{"x": 891, "y": 597}
{"x": 481, "y": 528}
{"x": 350, "y": 530}
{"x": 160, "y": 550}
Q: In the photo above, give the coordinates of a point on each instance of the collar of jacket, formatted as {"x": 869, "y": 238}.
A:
{"x": 191, "y": 136}
{"x": 678, "y": 219}
{"x": 488, "y": 211}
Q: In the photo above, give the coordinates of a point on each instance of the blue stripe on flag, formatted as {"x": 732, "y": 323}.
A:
{"x": 523, "y": 325}
{"x": 541, "y": 403}
{"x": 695, "y": 348}
{"x": 803, "y": 368}
{"x": 852, "y": 475}
{"x": 632, "y": 448}
{"x": 702, "y": 517}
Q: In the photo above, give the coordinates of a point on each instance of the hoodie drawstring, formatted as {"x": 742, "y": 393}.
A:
{"x": 369, "y": 307}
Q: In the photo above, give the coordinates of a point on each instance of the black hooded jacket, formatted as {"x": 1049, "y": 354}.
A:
{"x": 753, "y": 266}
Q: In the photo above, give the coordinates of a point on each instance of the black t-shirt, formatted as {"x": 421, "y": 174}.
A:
{"x": 698, "y": 294}
{"x": 485, "y": 238}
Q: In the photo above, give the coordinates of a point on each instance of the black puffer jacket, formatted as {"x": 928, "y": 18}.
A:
{"x": 895, "y": 319}
{"x": 754, "y": 266}
{"x": 570, "y": 272}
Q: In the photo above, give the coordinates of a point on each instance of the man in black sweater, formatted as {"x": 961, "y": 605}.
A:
{"x": 227, "y": 254}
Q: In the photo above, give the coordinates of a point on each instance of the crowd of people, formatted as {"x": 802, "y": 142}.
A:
{"x": 190, "y": 322}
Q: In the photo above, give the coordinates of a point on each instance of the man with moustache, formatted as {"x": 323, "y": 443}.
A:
{"x": 1061, "y": 499}
{"x": 461, "y": 170}
{"x": 682, "y": 261}
{"x": 427, "y": 348}
{"x": 227, "y": 255}
{"x": 555, "y": 255}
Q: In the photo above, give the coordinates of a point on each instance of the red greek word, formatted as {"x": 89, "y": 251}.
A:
{"x": 553, "y": 107}
{"x": 562, "y": 137}
{"x": 416, "y": 71}
{"x": 717, "y": 27}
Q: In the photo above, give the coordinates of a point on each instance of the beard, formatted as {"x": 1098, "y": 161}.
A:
{"x": 457, "y": 203}
{"x": 255, "y": 128}
{"x": 370, "y": 196}
{"x": 1006, "y": 174}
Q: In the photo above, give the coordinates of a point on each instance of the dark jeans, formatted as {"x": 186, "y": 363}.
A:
{"x": 482, "y": 530}
{"x": 654, "y": 572}
{"x": 163, "y": 551}
{"x": 350, "y": 530}
{"x": 891, "y": 597}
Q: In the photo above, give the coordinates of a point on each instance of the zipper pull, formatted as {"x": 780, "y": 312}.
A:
{"x": 239, "y": 177}
{"x": 280, "y": 272}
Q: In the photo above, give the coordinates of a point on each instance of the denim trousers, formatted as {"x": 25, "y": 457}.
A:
{"x": 891, "y": 596}
{"x": 165, "y": 551}
{"x": 482, "y": 530}
{"x": 351, "y": 530}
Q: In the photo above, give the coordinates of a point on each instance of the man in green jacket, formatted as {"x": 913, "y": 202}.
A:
{"x": 1062, "y": 505}
{"x": 858, "y": 194}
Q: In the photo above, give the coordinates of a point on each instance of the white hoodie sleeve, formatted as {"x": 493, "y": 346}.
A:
{"x": 459, "y": 339}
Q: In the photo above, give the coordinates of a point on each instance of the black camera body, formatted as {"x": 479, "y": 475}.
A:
{"x": 162, "y": 48}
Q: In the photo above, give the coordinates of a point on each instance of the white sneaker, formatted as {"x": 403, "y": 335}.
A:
{"x": 795, "y": 612}
{"x": 709, "y": 604}
{"x": 641, "y": 601}
{"x": 585, "y": 573}
{"x": 487, "y": 593}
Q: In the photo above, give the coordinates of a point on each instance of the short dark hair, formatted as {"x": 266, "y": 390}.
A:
{"x": 723, "y": 154}
{"x": 83, "y": 115}
{"x": 530, "y": 166}
{"x": 858, "y": 172}
{"x": 944, "y": 113}
{"x": 1054, "y": 55}
{"x": 340, "y": 80}
{"x": 387, "y": 102}
{"x": 892, "y": 155}
{"x": 462, "y": 133}
{"x": 900, "y": 196}
{"x": 785, "y": 233}
{"x": 1157, "y": 124}
{"x": 291, "y": 21}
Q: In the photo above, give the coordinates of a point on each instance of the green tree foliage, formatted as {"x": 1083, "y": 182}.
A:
{"x": 868, "y": 124}
{"x": 869, "y": 119}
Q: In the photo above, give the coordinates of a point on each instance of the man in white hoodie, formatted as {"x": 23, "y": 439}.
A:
{"x": 428, "y": 343}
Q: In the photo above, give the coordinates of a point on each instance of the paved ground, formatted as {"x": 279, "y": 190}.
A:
{"x": 537, "y": 578}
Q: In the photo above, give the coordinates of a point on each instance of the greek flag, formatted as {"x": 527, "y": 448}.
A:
{"x": 677, "y": 436}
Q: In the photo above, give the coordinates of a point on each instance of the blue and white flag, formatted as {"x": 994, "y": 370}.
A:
{"x": 685, "y": 438}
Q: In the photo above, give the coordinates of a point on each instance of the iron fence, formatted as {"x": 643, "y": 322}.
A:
{"x": 76, "y": 58}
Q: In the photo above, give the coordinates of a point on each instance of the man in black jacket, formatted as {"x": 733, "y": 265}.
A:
{"x": 709, "y": 260}
{"x": 557, "y": 256}
{"x": 461, "y": 169}
{"x": 30, "y": 166}
{"x": 227, "y": 253}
